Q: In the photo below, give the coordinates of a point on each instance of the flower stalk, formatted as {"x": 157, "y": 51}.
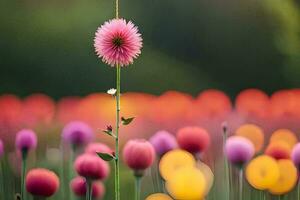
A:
{"x": 138, "y": 187}
{"x": 117, "y": 170}
{"x": 226, "y": 164}
{"x": 24, "y": 158}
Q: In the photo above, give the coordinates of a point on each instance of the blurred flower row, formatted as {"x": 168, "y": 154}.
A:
{"x": 190, "y": 148}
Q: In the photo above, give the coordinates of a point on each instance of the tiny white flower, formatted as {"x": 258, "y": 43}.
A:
{"x": 112, "y": 91}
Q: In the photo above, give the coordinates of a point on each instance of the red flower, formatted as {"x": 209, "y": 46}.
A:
{"x": 41, "y": 182}
{"x": 78, "y": 186}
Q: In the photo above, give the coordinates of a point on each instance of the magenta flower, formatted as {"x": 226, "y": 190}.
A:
{"x": 91, "y": 167}
{"x": 163, "y": 142}
{"x": 118, "y": 42}
{"x": 1, "y": 148}
{"x": 25, "y": 140}
{"x": 78, "y": 186}
{"x": 296, "y": 155}
{"x": 239, "y": 150}
{"x": 77, "y": 133}
{"x": 138, "y": 154}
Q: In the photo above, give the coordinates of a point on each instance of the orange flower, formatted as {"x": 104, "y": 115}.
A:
{"x": 284, "y": 135}
{"x": 279, "y": 150}
{"x": 253, "y": 133}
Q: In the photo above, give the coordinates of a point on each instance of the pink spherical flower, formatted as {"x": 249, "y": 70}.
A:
{"x": 239, "y": 150}
{"x": 118, "y": 42}
{"x": 193, "y": 139}
{"x": 94, "y": 148}
{"x": 163, "y": 142}
{"x": 25, "y": 140}
{"x": 77, "y": 133}
{"x": 138, "y": 154}
{"x": 91, "y": 166}
{"x": 41, "y": 182}
{"x": 78, "y": 186}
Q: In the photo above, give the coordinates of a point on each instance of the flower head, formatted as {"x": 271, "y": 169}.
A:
{"x": 138, "y": 154}
{"x": 288, "y": 178}
{"x": 163, "y": 142}
{"x": 91, "y": 166}
{"x": 173, "y": 160}
{"x": 187, "y": 183}
{"x": 77, "y": 133}
{"x": 78, "y": 186}
{"x": 238, "y": 150}
{"x": 284, "y": 135}
{"x": 26, "y": 140}
{"x": 262, "y": 172}
{"x": 118, "y": 42}
{"x": 253, "y": 133}
{"x": 41, "y": 182}
{"x": 296, "y": 155}
{"x": 193, "y": 139}
{"x": 278, "y": 150}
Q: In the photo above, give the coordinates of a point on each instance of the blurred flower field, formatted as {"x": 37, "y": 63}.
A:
{"x": 189, "y": 148}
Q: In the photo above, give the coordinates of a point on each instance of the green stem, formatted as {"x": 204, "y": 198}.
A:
{"x": 117, "y": 170}
{"x": 241, "y": 184}
{"x": 70, "y": 170}
{"x": 227, "y": 181}
{"x": 24, "y": 158}
{"x": 298, "y": 191}
{"x": 137, "y": 187}
{"x": 89, "y": 192}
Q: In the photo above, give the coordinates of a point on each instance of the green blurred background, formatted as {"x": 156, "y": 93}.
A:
{"x": 47, "y": 46}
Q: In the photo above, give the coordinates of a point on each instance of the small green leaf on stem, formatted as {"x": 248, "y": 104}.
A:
{"x": 126, "y": 121}
{"x": 106, "y": 156}
{"x": 109, "y": 130}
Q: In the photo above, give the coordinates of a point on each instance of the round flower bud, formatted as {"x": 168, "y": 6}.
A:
{"x": 78, "y": 186}
{"x": 163, "y": 142}
{"x": 138, "y": 154}
{"x": 41, "y": 182}
{"x": 91, "y": 166}
{"x": 193, "y": 139}
{"x": 239, "y": 150}
{"x": 25, "y": 140}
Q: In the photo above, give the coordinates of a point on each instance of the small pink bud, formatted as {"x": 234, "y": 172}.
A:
{"x": 91, "y": 166}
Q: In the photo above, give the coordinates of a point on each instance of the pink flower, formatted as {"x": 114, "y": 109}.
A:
{"x": 78, "y": 186}
{"x": 118, "y": 42}
{"x": 138, "y": 154}
{"x": 41, "y": 182}
{"x": 91, "y": 166}
{"x": 26, "y": 140}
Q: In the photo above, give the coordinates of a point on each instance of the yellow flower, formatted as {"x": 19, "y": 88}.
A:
{"x": 158, "y": 196}
{"x": 262, "y": 172}
{"x": 174, "y": 160}
{"x": 288, "y": 178}
{"x": 208, "y": 175}
{"x": 253, "y": 133}
{"x": 284, "y": 135}
{"x": 187, "y": 183}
